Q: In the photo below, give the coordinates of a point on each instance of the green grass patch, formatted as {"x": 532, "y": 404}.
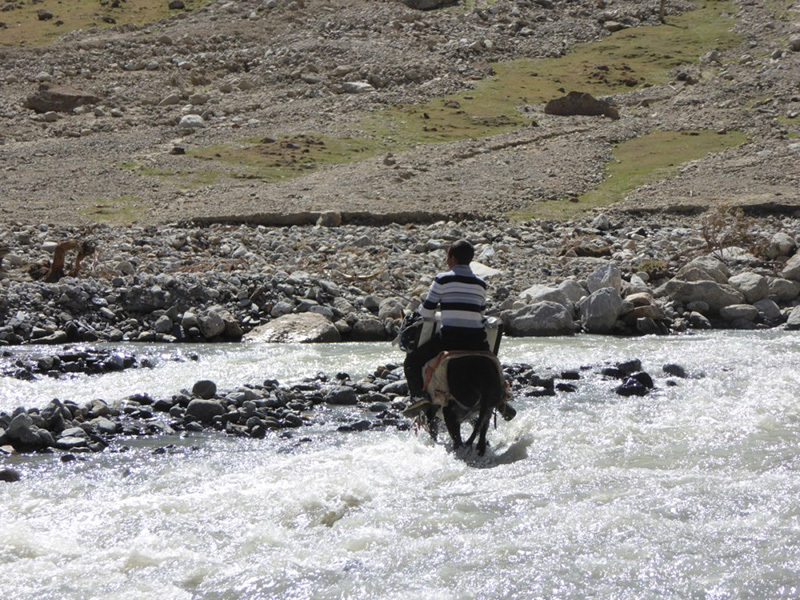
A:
{"x": 24, "y": 27}
{"x": 124, "y": 210}
{"x": 636, "y": 162}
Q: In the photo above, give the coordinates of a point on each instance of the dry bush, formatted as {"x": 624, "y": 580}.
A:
{"x": 725, "y": 227}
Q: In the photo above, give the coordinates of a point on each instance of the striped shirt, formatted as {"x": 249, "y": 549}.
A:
{"x": 462, "y": 296}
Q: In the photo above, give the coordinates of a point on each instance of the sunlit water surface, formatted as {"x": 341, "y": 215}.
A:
{"x": 690, "y": 492}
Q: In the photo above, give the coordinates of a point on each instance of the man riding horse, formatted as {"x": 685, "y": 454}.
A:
{"x": 462, "y": 297}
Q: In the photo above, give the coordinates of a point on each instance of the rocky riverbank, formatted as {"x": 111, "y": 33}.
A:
{"x": 610, "y": 274}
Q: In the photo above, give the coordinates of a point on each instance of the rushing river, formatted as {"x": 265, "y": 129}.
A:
{"x": 690, "y": 492}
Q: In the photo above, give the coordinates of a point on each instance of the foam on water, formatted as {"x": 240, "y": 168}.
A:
{"x": 690, "y": 492}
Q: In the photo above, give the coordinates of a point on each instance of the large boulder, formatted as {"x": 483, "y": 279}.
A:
{"x": 781, "y": 244}
{"x": 541, "y": 319}
{"x": 753, "y": 286}
{"x": 715, "y": 295}
{"x": 607, "y": 276}
{"x": 734, "y": 312}
{"x": 783, "y": 290}
{"x": 573, "y": 290}
{"x": 792, "y": 268}
{"x": 368, "y": 329}
{"x": 543, "y": 293}
{"x": 307, "y": 327}
{"x": 580, "y": 103}
{"x": 59, "y": 98}
{"x": 704, "y": 268}
{"x": 205, "y": 410}
{"x": 600, "y": 310}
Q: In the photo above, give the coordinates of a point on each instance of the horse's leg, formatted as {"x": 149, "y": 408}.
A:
{"x": 433, "y": 423}
{"x": 453, "y": 426}
{"x": 482, "y": 426}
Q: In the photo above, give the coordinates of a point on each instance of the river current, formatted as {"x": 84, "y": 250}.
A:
{"x": 690, "y": 492}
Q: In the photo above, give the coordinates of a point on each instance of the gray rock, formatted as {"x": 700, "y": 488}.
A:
{"x": 704, "y": 268}
{"x": 580, "y": 103}
{"x": 792, "y": 268}
{"x": 59, "y": 98}
{"x": 573, "y": 290}
{"x": 205, "y": 389}
{"x": 163, "y": 324}
{"x": 211, "y": 323}
{"x": 205, "y": 410}
{"x": 390, "y": 308}
{"x": 783, "y": 290}
{"x": 191, "y": 122}
{"x": 753, "y": 286}
{"x": 341, "y": 396}
{"x": 22, "y": 430}
{"x": 426, "y": 4}
{"x": 698, "y": 321}
{"x": 714, "y": 294}
{"x": 543, "y": 293}
{"x": 793, "y": 322}
{"x": 305, "y": 327}
{"x": 368, "y": 329}
{"x": 540, "y": 319}
{"x": 734, "y": 312}
{"x": 769, "y": 309}
{"x": 607, "y": 276}
{"x": 599, "y": 312}
{"x": 10, "y": 475}
{"x": 781, "y": 244}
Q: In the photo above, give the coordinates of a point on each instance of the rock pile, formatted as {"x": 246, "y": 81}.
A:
{"x": 351, "y": 282}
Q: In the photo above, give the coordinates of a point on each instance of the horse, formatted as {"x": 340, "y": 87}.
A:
{"x": 477, "y": 389}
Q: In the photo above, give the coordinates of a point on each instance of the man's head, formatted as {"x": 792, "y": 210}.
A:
{"x": 460, "y": 252}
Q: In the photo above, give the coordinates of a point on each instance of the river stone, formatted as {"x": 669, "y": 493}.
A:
{"x": 739, "y": 311}
{"x": 307, "y": 327}
{"x": 163, "y": 324}
{"x": 792, "y": 268}
{"x": 540, "y": 319}
{"x": 205, "y": 410}
{"x": 10, "y": 475}
{"x": 342, "y": 395}
{"x": 390, "y": 308}
{"x": 783, "y": 290}
{"x": 599, "y": 312}
{"x": 543, "y": 293}
{"x": 793, "y": 322}
{"x": 770, "y": 310}
{"x": 698, "y": 321}
{"x": 573, "y": 290}
{"x": 211, "y": 323}
{"x": 716, "y": 295}
{"x": 752, "y": 285}
{"x": 781, "y": 244}
{"x": 205, "y": 389}
{"x": 368, "y": 329}
{"x": 22, "y": 430}
{"x": 704, "y": 268}
{"x": 607, "y": 276}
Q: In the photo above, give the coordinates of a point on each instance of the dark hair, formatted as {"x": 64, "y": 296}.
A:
{"x": 462, "y": 251}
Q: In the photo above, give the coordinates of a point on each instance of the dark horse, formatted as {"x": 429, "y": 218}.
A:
{"x": 478, "y": 390}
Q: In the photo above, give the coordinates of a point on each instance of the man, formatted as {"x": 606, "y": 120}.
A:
{"x": 462, "y": 296}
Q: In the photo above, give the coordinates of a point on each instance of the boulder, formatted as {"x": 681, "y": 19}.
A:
{"x": 580, "y": 103}
{"x": 211, "y": 323}
{"x": 792, "y": 268}
{"x": 739, "y": 311}
{"x": 304, "y": 328}
{"x": 793, "y": 322}
{"x": 542, "y": 293}
{"x": 715, "y": 295}
{"x": 698, "y": 321}
{"x": 704, "y": 268}
{"x": 783, "y": 290}
{"x": 781, "y": 244}
{"x": 573, "y": 290}
{"x": 205, "y": 389}
{"x": 390, "y": 308}
{"x": 343, "y": 396}
{"x": 540, "y": 319}
{"x": 368, "y": 329}
{"x": 599, "y": 311}
{"x": 770, "y": 310}
{"x": 607, "y": 276}
{"x": 205, "y": 410}
{"x": 753, "y": 286}
{"x": 59, "y": 98}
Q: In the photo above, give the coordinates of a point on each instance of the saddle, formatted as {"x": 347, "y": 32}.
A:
{"x": 435, "y": 375}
